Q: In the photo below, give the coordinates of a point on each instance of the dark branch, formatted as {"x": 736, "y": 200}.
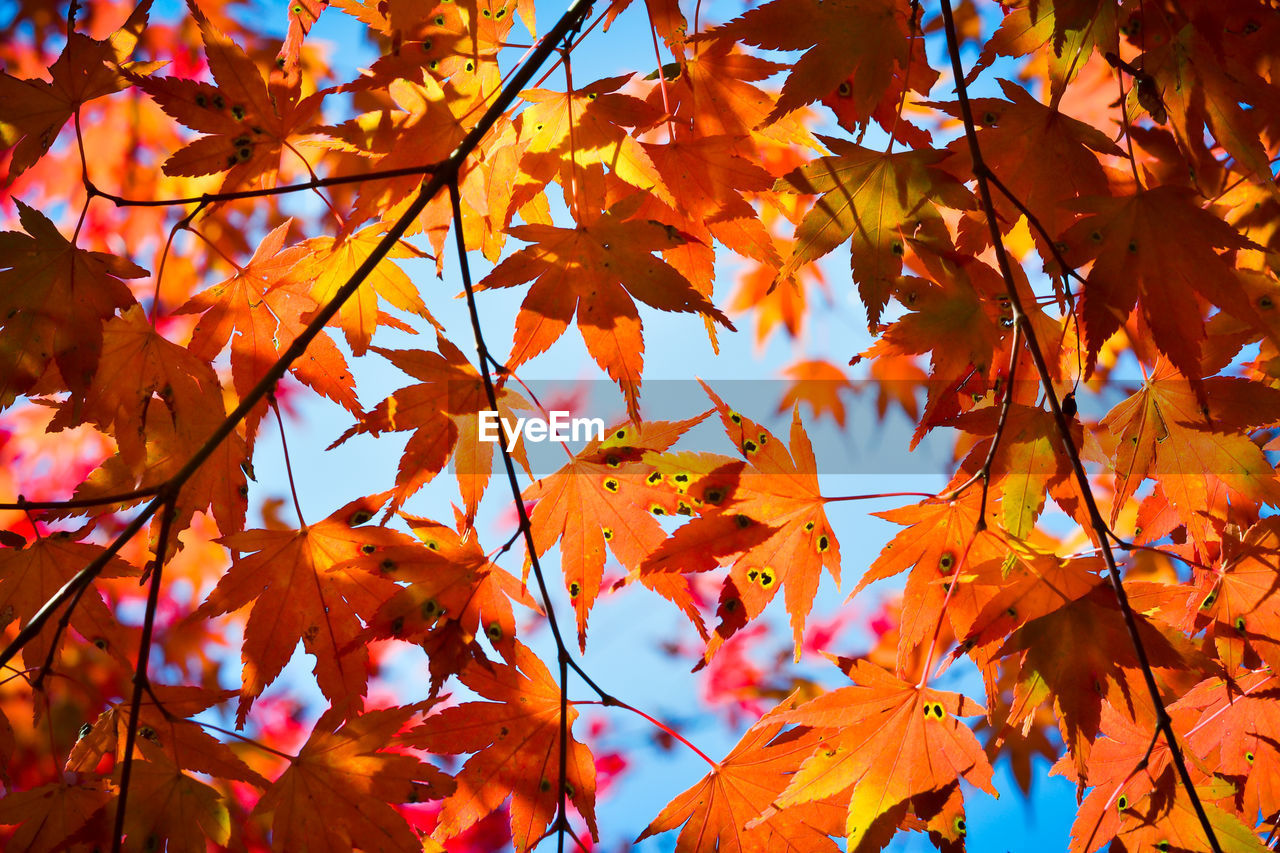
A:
{"x": 1063, "y": 425}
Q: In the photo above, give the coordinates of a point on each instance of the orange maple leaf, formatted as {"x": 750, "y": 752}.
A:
{"x": 299, "y": 593}
{"x": 332, "y": 263}
{"x": 1045, "y": 158}
{"x": 888, "y": 741}
{"x": 608, "y": 494}
{"x": 50, "y": 816}
{"x": 714, "y": 813}
{"x": 862, "y": 40}
{"x": 34, "y": 111}
{"x": 767, "y": 517}
{"x": 443, "y": 410}
{"x": 516, "y": 740}
{"x": 1232, "y": 732}
{"x": 883, "y": 201}
{"x": 160, "y": 402}
{"x": 454, "y": 594}
{"x": 54, "y": 298}
{"x": 171, "y": 809}
{"x": 1238, "y": 603}
{"x": 164, "y": 724}
{"x": 940, "y": 539}
{"x": 349, "y": 759}
{"x": 1100, "y": 668}
{"x": 246, "y": 126}
{"x": 711, "y": 178}
{"x": 1178, "y": 433}
{"x": 817, "y": 382}
{"x": 30, "y": 576}
{"x": 714, "y": 95}
{"x": 596, "y": 135}
{"x": 260, "y": 311}
{"x": 596, "y": 270}
{"x": 1156, "y": 249}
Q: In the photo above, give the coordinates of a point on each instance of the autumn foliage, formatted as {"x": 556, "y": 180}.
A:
{"x": 1062, "y": 221}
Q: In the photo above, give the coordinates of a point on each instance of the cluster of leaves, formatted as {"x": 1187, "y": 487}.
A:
{"x": 1113, "y": 209}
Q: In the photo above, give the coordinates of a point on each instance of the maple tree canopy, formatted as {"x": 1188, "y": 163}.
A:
{"x": 1062, "y": 225}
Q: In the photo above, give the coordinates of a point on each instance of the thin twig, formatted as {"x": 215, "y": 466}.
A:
{"x": 140, "y": 672}
{"x": 525, "y": 527}
{"x": 1163, "y": 721}
{"x": 80, "y": 503}
{"x": 236, "y": 195}
{"x": 984, "y": 473}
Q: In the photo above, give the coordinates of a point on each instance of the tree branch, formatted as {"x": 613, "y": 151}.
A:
{"x": 1099, "y": 526}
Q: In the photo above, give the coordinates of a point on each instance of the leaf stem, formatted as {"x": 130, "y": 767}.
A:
{"x": 288, "y": 466}
{"x": 875, "y": 495}
{"x": 618, "y": 703}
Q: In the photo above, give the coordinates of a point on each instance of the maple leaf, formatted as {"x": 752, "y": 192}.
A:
{"x": 884, "y": 201}
{"x": 1063, "y": 33}
{"x": 758, "y": 291}
{"x": 1201, "y": 86}
{"x": 299, "y": 593}
{"x": 1137, "y": 800}
{"x": 608, "y": 494}
{"x": 443, "y": 410}
{"x": 455, "y": 593}
{"x": 32, "y": 575}
{"x": 165, "y": 729}
{"x": 714, "y": 812}
{"x": 1045, "y": 158}
{"x": 1030, "y": 462}
{"x": 426, "y": 130}
{"x": 1171, "y": 822}
{"x": 1178, "y": 434}
{"x": 334, "y": 260}
{"x": 1156, "y": 249}
{"x": 260, "y": 311}
{"x": 818, "y": 382}
{"x": 889, "y": 741}
{"x": 859, "y": 39}
{"x": 54, "y": 298}
{"x": 516, "y": 740}
{"x": 160, "y": 402}
{"x": 50, "y": 816}
{"x": 711, "y": 177}
{"x": 767, "y": 517}
{"x": 302, "y": 16}
{"x": 1100, "y": 667}
{"x": 596, "y": 270}
{"x": 171, "y": 809}
{"x": 940, "y": 538}
{"x": 950, "y": 319}
{"x": 999, "y": 595}
{"x": 713, "y": 93}
{"x": 596, "y": 133}
{"x": 1231, "y": 731}
{"x": 848, "y": 101}
{"x": 34, "y": 111}
{"x": 1238, "y": 603}
{"x": 345, "y": 767}
{"x": 246, "y": 127}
